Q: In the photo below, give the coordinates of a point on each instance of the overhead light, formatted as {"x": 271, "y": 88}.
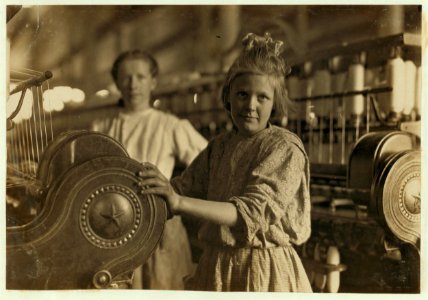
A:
{"x": 78, "y": 95}
{"x": 55, "y": 99}
{"x": 103, "y": 93}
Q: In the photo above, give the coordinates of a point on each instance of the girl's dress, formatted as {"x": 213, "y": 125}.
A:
{"x": 267, "y": 177}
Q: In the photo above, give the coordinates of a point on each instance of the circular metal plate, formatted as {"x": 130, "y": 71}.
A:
{"x": 398, "y": 195}
{"x": 110, "y": 216}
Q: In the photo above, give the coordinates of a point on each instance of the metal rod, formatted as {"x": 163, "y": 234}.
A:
{"x": 50, "y": 113}
{"x": 44, "y": 118}
{"x": 343, "y": 94}
{"x": 39, "y": 114}
{"x": 27, "y": 146}
{"x": 20, "y": 146}
{"x": 35, "y": 133}
{"x": 35, "y": 81}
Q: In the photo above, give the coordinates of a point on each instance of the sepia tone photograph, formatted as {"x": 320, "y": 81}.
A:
{"x": 213, "y": 148}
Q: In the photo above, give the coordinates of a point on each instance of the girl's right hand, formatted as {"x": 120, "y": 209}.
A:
{"x": 154, "y": 182}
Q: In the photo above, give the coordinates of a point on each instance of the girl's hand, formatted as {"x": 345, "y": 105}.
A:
{"x": 154, "y": 182}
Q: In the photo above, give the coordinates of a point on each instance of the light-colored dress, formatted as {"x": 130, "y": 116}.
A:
{"x": 161, "y": 139}
{"x": 267, "y": 177}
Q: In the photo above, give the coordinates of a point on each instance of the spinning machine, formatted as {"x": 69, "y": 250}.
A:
{"x": 75, "y": 217}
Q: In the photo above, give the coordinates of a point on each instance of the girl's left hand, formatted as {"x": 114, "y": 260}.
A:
{"x": 154, "y": 182}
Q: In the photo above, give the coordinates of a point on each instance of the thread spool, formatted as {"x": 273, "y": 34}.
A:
{"x": 322, "y": 108}
{"x": 338, "y": 79}
{"x": 395, "y": 74}
{"x": 369, "y": 82}
{"x": 374, "y": 77}
{"x": 338, "y": 82}
{"x": 369, "y": 77}
{"x": 322, "y": 86}
{"x": 409, "y": 89}
{"x": 355, "y": 82}
{"x": 333, "y": 278}
{"x": 354, "y": 105}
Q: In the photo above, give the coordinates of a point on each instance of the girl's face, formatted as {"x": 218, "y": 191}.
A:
{"x": 251, "y": 101}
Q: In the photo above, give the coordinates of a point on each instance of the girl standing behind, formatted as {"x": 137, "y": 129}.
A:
{"x": 250, "y": 186}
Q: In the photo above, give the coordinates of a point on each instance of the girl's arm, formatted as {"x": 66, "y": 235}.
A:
{"x": 222, "y": 213}
{"x": 153, "y": 182}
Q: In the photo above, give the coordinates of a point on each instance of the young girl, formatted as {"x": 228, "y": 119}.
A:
{"x": 250, "y": 186}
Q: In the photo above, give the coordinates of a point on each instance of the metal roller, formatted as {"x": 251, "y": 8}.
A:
{"x": 370, "y": 153}
{"x": 388, "y": 166}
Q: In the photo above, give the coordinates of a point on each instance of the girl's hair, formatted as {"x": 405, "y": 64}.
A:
{"x": 261, "y": 55}
{"x": 135, "y": 54}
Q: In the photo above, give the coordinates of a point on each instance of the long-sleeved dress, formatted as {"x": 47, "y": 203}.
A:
{"x": 267, "y": 177}
{"x": 161, "y": 139}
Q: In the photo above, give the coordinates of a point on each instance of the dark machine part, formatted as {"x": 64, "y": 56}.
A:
{"x": 93, "y": 225}
{"x": 387, "y": 164}
{"x": 370, "y": 153}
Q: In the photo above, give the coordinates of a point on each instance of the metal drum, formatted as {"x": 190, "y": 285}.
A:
{"x": 73, "y": 148}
